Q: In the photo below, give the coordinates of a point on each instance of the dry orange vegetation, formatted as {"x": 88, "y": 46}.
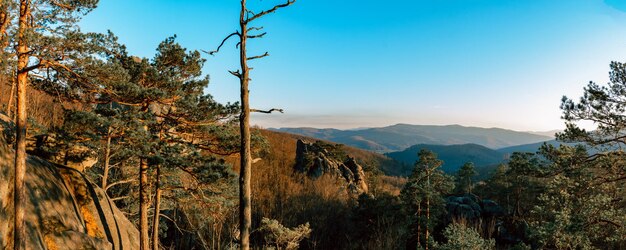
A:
{"x": 294, "y": 199}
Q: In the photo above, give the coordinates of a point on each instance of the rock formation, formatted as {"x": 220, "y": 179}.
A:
{"x": 471, "y": 207}
{"x": 315, "y": 161}
{"x": 64, "y": 210}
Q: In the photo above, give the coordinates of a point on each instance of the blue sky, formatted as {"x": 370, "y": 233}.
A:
{"x": 363, "y": 63}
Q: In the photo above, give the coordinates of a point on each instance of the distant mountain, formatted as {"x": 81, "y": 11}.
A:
{"x": 453, "y": 156}
{"x": 550, "y": 133}
{"x": 401, "y": 136}
{"x": 528, "y": 148}
{"x": 534, "y": 147}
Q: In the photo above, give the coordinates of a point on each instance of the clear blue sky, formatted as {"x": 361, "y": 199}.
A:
{"x": 362, "y": 63}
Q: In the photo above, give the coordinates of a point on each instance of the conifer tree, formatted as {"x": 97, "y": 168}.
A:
{"x": 424, "y": 192}
{"x": 464, "y": 178}
{"x": 44, "y": 32}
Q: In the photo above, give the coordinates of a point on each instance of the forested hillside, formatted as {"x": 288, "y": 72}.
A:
{"x": 105, "y": 147}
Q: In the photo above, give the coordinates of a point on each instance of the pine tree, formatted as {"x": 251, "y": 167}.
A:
{"x": 424, "y": 192}
{"x": 464, "y": 178}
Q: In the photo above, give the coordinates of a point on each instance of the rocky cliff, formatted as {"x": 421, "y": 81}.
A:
{"x": 64, "y": 210}
{"x": 315, "y": 160}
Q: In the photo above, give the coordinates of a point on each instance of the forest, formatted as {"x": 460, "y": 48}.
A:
{"x": 85, "y": 122}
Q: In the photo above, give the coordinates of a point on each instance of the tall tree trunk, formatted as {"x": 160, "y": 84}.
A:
{"x": 20, "y": 147}
{"x": 245, "y": 209}
{"x": 157, "y": 210}
{"x": 144, "y": 243}
{"x": 107, "y": 156}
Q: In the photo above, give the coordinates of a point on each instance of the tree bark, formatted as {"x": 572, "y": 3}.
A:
{"x": 19, "y": 196}
{"x": 143, "y": 205}
{"x": 245, "y": 209}
{"x": 157, "y": 210}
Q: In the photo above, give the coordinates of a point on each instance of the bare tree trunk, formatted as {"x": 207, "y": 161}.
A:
{"x": 245, "y": 209}
{"x": 143, "y": 205}
{"x": 107, "y": 156}
{"x": 157, "y": 210}
{"x": 20, "y": 144}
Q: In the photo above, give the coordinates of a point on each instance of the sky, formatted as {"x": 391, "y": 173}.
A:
{"x": 369, "y": 63}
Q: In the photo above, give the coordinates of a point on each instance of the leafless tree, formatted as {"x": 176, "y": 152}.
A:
{"x": 244, "y": 33}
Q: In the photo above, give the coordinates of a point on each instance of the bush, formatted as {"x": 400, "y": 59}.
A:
{"x": 281, "y": 237}
{"x": 462, "y": 237}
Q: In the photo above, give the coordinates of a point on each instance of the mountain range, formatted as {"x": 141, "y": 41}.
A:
{"x": 402, "y": 136}
{"x": 454, "y": 156}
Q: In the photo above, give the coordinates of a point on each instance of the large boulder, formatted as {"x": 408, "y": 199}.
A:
{"x": 64, "y": 210}
{"x": 315, "y": 161}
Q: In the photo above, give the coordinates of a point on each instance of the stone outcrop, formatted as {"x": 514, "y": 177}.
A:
{"x": 50, "y": 148}
{"x": 471, "y": 207}
{"x": 316, "y": 161}
{"x": 64, "y": 210}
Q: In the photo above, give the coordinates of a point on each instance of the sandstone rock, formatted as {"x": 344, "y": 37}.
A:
{"x": 50, "y": 148}
{"x": 316, "y": 161}
{"x": 64, "y": 210}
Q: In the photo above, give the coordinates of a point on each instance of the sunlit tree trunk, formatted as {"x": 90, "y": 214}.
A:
{"x": 20, "y": 147}
{"x": 157, "y": 210}
{"x": 107, "y": 156}
{"x": 143, "y": 205}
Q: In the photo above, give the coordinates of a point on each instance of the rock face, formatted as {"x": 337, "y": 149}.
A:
{"x": 64, "y": 209}
{"x": 316, "y": 161}
{"x": 471, "y": 207}
{"x": 49, "y": 148}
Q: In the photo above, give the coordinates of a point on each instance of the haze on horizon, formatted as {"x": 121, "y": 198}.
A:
{"x": 348, "y": 64}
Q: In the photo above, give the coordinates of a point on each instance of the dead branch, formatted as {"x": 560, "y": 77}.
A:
{"x": 263, "y": 13}
{"x": 236, "y": 33}
{"x": 118, "y": 183}
{"x": 258, "y": 36}
{"x": 120, "y": 198}
{"x": 257, "y": 57}
{"x": 254, "y": 28}
{"x": 267, "y": 111}
{"x": 235, "y": 73}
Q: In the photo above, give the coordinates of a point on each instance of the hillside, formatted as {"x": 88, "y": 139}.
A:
{"x": 401, "y": 136}
{"x": 453, "y": 156}
{"x": 283, "y": 146}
